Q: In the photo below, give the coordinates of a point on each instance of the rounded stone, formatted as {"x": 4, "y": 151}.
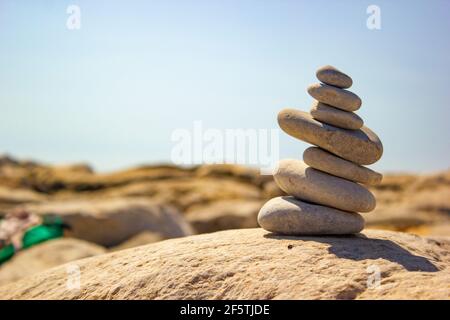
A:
{"x": 360, "y": 146}
{"x": 290, "y": 216}
{"x": 324, "y": 161}
{"x": 336, "y": 117}
{"x": 305, "y": 183}
{"x": 336, "y": 97}
{"x": 334, "y": 77}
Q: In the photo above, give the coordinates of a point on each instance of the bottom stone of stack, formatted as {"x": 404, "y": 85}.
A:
{"x": 290, "y": 216}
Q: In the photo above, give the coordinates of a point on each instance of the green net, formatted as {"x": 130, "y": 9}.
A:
{"x": 40, "y": 234}
{"x": 51, "y": 228}
{"x": 6, "y": 253}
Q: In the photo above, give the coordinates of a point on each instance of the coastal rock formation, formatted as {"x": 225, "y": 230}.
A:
{"x": 256, "y": 264}
{"x": 143, "y": 238}
{"x": 417, "y": 203}
{"x": 45, "y": 256}
{"x": 224, "y": 214}
{"x": 109, "y": 222}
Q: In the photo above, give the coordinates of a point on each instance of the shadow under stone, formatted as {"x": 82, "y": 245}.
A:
{"x": 359, "y": 247}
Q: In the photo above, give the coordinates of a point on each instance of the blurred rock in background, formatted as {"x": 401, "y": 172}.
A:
{"x": 123, "y": 209}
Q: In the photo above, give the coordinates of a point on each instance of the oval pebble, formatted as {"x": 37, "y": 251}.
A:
{"x": 336, "y": 97}
{"x": 336, "y": 117}
{"x": 334, "y": 77}
{"x": 290, "y": 216}
{"x": 305, "y": 183}
{"x": 324, "y": 161}
{"x": 360, "y": 146}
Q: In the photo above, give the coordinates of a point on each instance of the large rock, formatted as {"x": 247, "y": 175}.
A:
{"x": 288, "y": 215}
{"x": 143, "y": 238}
{"x": 46, "y": 255}
{"x": 418, "y": 204}
{"x": 255, "y": 264}
{"x": 19, "y": 196}
{"x": 76, "y": 178}
{"x": 224, "y": 214}
{"x": 405, "y": 202}
{"x": 297, "y": 179}
{"x": 184, "y": 193}
{"x": 109, "y": 222}
{"x": 360, "y": 146}
{"x": 324, "y": 161}
{"x": 11, "y": 197}
{"x": 237, "y": 172}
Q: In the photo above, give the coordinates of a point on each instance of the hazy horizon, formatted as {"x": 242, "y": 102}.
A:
{"x": 112, "y": 93}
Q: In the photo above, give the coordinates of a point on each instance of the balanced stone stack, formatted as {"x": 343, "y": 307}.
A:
{"x": 327, "y": 190}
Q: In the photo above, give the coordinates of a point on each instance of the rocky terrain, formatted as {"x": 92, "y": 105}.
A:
{"x": 45, "y": 256}
{"x": 147, "y": 204}
{"x": 405, "y": 202}
{"x": 255, "y": 264}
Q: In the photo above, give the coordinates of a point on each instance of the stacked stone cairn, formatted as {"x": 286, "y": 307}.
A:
{"x": 326, "y": 190}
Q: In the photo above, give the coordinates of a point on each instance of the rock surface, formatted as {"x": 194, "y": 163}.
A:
{"x": 11, "y": 197}
{"x": 336, "y": 97}
{"x": 140, "y": 239}
{"x": 224, "y": 214}
{"x": 336, "y": 117}
{"x": 185, "y": 193}
{"x": 109, "y": 222}
{"x": 324, "y": 161}
{"x": 405, "y": 202}
{"x": 360, "y": 146}
{"x": 288, "y": 215}
{"x": 308, "y": 184}
{"x": 255, "y": 264}
{"x": 334, "y": 77}
{"x": 417, "y": 204}
{"x": 46, "y": 255}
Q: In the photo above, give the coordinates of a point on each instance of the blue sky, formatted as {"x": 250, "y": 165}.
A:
{"x": 112, "y": 92}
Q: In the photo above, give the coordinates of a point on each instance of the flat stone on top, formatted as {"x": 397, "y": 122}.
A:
{"x": 334, "y": 77}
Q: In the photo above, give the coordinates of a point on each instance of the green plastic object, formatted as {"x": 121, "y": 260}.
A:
{"x": 40, "y": 234}
{"x": 6, "y": 253}
{"x": 51, "y": 228}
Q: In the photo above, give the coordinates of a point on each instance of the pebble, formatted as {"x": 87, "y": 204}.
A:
{"x": 305, "y": 183}
{"x": 360, "y": 146}
{"x": 326, "y": 191}
{"x": 336, "y": 117}
{"x": 290, "y": 216}
{"x": 336, "y": 97}
{"x": 334, "y": 77}
{"x": 324, "y": 161}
